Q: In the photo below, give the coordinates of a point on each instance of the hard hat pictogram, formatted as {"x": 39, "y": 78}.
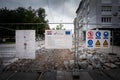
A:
{"x": 106, "y": 34}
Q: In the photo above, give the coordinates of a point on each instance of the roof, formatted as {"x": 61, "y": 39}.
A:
{"x": 79, "y": 6}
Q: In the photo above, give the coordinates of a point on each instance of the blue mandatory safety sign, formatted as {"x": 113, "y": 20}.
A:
{"x": 90, "y": 43}
{"x": 106, "y": 34}
{"x": 98, "y": 35}
{"x": 67, "y": 32}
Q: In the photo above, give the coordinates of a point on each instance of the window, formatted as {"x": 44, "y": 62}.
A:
{"x": 119, "y": 19}
{"x": 106, "y": 19}
{"x": 107, "y": 26}
{"x": 119, "y": 8}
{"x": 88, "y": 8}
{"x": 119, "y": 1}
{"x": 106, "y": 8}
{"x": 106, "y": 1}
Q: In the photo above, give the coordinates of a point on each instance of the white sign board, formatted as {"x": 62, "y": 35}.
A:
{"x": 98, "y": 39}
{"x": 25, "y": 44}
{"x": 58, "y": 39}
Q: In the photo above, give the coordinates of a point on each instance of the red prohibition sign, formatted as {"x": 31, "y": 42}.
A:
{"x": 90, "y": 34}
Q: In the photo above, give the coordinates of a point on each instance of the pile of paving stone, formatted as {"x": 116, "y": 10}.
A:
{"x": 93, "y": 59}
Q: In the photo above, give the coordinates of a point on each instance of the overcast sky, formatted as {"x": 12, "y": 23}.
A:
{"x": 56, "y": 10}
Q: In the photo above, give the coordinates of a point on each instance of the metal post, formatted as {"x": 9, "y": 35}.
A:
{"x": 76, "y": 75}
{"x": 76, "y": 33}
{"x": 112, "y": 40}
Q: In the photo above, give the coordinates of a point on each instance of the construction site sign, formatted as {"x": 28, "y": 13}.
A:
{"x": 98, "y": 39}
{"x": 58, "y": 39}
{"x": 25, "y": 44}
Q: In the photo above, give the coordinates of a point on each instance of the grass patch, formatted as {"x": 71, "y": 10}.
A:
{"x": 7, "y": 42}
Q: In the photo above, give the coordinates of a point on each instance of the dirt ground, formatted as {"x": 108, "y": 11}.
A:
{"x": 45, "y": 60}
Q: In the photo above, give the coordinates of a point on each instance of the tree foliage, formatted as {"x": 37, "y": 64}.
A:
{"x": 21, "y": 16}
{"x": 59, "y": 27}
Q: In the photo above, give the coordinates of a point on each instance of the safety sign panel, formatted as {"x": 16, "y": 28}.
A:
{"x": 98, "y": 39}
{"x": 58, "y": 39}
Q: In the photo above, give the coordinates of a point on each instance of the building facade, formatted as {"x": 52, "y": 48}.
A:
{"x": 99, "y": 14}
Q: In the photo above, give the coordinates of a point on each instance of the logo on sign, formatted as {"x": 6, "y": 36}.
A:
{"x": 106, "y": 34}
{"x": 49, "y": 32}
{"x": 90, "y": 43}
{"x": 58, "y": 33}
{"x": 98, "y": 35}
{"x": 90, "y": 34}
{"x": 24, "y": 36}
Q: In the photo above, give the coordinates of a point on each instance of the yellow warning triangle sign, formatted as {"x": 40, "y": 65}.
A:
{"x": 97, "y": 44}
{"x": 105, "y": 44}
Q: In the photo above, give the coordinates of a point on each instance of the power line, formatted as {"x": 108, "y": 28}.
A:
{"x": 7, "y": 28}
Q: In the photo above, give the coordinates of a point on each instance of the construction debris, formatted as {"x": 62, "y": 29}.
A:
{"x": 63, "y": 59}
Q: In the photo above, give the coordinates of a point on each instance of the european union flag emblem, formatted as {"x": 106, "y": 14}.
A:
{"x": 67, "y": 32}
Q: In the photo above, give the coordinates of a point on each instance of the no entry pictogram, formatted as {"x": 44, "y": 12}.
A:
{"x": 90, "y": 34}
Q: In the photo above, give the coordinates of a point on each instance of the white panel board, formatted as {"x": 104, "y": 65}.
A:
{"x": 98, "y": 39}
{"x": 58, "y": 39}
{"x": 25, "y": 44}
